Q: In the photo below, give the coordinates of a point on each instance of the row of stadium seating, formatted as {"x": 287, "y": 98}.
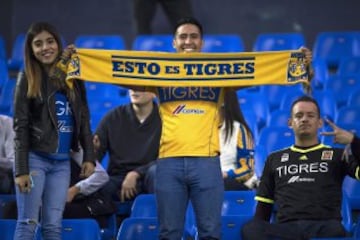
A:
{"x": 329, "y": 46}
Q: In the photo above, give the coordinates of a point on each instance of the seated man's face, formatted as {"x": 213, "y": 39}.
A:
{"x": 305, "y": 120}
{"x": 141, "y": 97}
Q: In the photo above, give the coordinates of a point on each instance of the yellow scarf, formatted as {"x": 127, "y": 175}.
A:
{"x": 191, "y": 69}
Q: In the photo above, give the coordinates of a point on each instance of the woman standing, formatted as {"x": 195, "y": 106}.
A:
{"x": 50, "y": 120}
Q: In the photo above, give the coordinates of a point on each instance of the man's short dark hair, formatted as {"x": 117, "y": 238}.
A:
{"x": 189, "y": 20}
{"x": 306, "y": 98}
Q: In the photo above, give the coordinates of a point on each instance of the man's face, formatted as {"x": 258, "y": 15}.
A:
{"x": 188, "y": 39}
{"x": 305, "y": 120}
{"x": 141, "y": 98}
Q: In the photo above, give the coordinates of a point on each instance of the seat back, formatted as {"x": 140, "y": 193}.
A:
{"x": 349, "y": 66}
{"x": 348, "y": 115}
{"x": 278, "y": 41}
{"x": 333, "y": 46}
{"x": 162, "y": 43}
{"x": 16, "y": 60}
{"x": 342, "y": 86}
{"x": 223, "y": 43}
{"x": 143, "y": 206}
{"x": 115, "y": 42}
{"x": 7, "y": 228}
{"x": 76, "y": 229}
{"x": 275, "y": 138}
{"x": 231, "y": 226}
{"x": 239, "y": 203}
{"x": 138, "y": 229}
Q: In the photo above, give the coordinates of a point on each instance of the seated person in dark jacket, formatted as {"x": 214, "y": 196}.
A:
{"x": 305, "y": 181}
{"x": 131, "y": 135}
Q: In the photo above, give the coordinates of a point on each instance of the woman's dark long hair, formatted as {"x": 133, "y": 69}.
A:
{"x": 232, "y": 112}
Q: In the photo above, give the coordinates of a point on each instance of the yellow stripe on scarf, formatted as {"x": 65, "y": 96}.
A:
{"x": 190, "y": 69}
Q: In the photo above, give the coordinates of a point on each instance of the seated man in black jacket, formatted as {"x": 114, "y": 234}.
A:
{"x": 304, "y": 181}
{"x": 131, "y": 135}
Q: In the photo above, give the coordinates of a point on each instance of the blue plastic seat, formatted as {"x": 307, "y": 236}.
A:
{"x": 162, "y": 43}
{"x": 260, "y": 156}
{"x": 321, "y": 73}
{"x": 333, "y": 46}
{"x": 289, "y": 97}
{"x": 342, "y": 86}
{"x": 7, "y": 97}
{"x": 354, "y": 98}
{"x": 222, "y": 43}
{"x": 144, "y": 206}
{"x": 348, "y": 115}
{"x": 278, "y": 118}
{"x": 75, "y": 229}
{"x": 274, "y": 93}
{"x": 239, "y": 203}
{"x": 231, "y": 226}
{"x": 327, "y": 103}
{"x": 7, "y": 228}
{"x": 16, "y": 60}
{"x": 278, "y": 41}
{"x": 115, "y": 42}
{"x": 276, "y": 138}
{"x": 257, "y": 103}
{"x": 4, "y": 74}
{"x": 349, "y": 66}
{"x": 2, "y": 49}
{"x": 138, "y": 229}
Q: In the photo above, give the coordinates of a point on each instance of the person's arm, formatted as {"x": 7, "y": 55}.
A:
{"x": 8, "y": 157}
{"x": 94, "y": 182}
{"x": 263, "y": 211}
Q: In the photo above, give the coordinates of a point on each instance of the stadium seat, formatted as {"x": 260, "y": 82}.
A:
{"x": 333, "y": 46}
{"x": 327, "y": 103}
{"x": 223, "y": 43}
{"x": 321, "y": 73}
{"x": 250, "y": 118}
{"x": 278, "y": 118}
{"x": 109, "y": 233}
{"x": 278, "y": 41}
{"x": 349, "y": 66}
{"x": 348, "y": 115}
{"x": 342, "y": 86}
{"x": 162, "y": 43}
{"x": 257, "y": 103}
{"x": 138, "y": 229}
{"x": 4, "y": 74}
{"x": 231, "y": 226}
{"x": 354, "y": 98}
{"x": 115, "y": 42}
{"x": 275, "y": 138}
{"x": 7, "y": 97}
{"x": 239, "y": 203}
{"x": 2, "y": 49}
{"x": 76, "y": 229}
{"x": 274, "y": 93}
{"x": 16, "y": 60}
{"x": 260, "y": 156}
{"x": 144, "y": 206}
{"x": 7, "y": 228}
{"x": 289, "y": 97}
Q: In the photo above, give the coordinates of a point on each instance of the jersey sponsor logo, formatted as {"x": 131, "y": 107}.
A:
{"x": 303, "y": 168}
{"x": 181, "y": 109}
{"x": 295, "y": 179}
{"x": 327, "y": 155}
{"x": 170, "y": 94}
{"x": 284, "y": 157}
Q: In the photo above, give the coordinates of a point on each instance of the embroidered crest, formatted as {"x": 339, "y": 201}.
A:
{"x": 297, "y": 67}
{"x": 327, "y": 155}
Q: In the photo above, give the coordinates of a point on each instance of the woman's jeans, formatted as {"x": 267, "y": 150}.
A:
{"x": 51, "y": 179}
{"x": 181, "y": 179}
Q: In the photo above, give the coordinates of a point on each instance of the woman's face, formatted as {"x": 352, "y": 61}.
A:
{"x": 45, "y": 48}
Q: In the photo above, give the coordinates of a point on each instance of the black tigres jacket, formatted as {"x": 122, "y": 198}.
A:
{"x": 35, "y": 123}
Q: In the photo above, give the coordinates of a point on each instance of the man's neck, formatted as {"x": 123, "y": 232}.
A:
{"x": 306, "y": 142}
{"x": 143, "y": 111}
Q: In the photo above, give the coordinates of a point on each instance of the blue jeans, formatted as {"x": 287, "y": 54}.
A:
{"x": 51, "y": 179}
{"x": 198, "y": 179}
